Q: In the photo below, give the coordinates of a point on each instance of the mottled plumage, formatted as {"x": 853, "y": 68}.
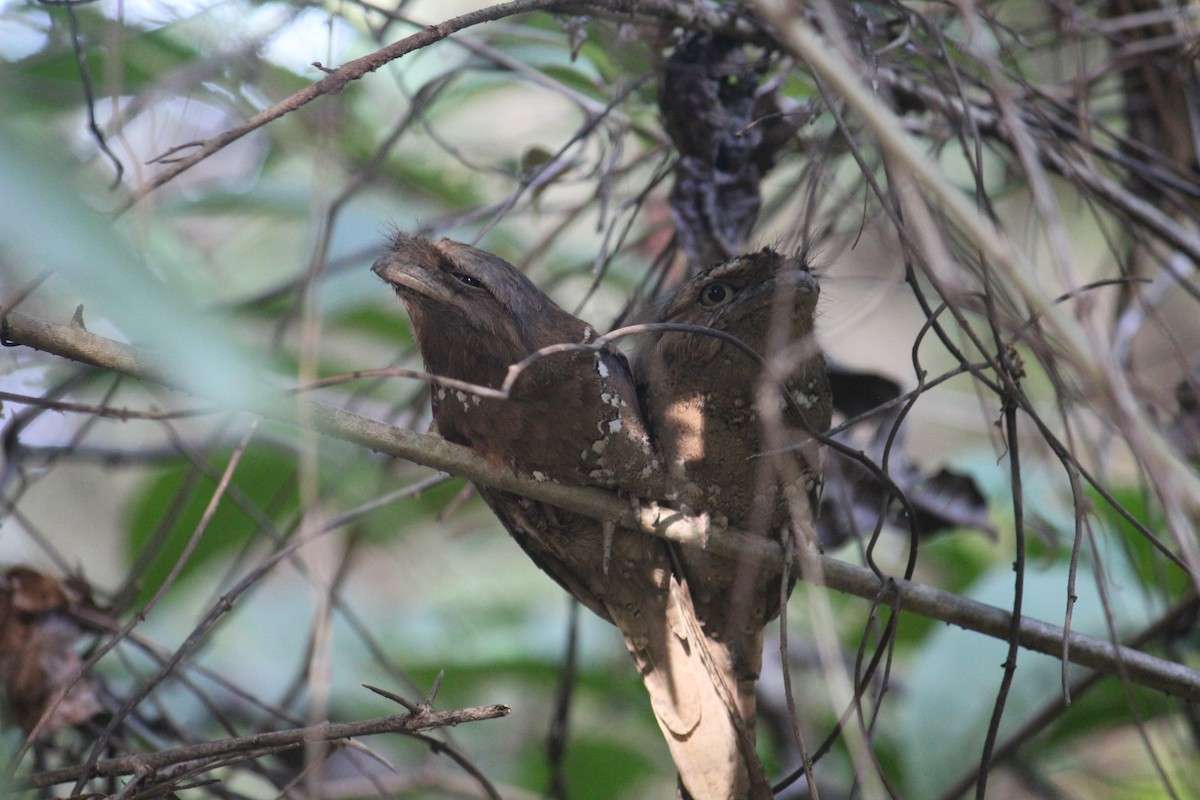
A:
{"x": 701, "y": 395}
{"x": 572, "y": 417}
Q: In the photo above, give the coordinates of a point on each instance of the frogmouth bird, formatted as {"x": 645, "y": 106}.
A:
{"x": 702, "y": 397}
{"x": 572, "y": 417}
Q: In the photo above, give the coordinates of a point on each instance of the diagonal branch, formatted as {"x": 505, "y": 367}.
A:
{"x": 335, "y": 81}
{"x": 76, "y": 343}
{"x": 256, "y": 744}
{"x": 1080, "y": 345}
{"x": 709, "y": 14}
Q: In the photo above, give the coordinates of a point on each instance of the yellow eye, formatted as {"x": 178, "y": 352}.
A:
{"x": 716, "y": 294}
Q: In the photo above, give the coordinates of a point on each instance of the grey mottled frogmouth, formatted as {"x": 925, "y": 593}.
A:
{"x": 701, "y": 396}
{"x": 572, "y": 417}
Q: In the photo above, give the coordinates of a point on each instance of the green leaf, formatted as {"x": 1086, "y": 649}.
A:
{"x": 52, "y": 75}
{"x": 601, "y": 768}
{"x": 1146, "y": 558}
{"x": 947, "y": 704}
{"x": 45, "y": 225}
{"x": 167, "y": 511}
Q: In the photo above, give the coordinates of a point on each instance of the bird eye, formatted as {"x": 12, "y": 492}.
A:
{"x": 469, "y": 280}
{"x": 715, "y": 294}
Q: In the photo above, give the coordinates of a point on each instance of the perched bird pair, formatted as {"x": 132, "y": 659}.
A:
{"x": 690, "y": 423}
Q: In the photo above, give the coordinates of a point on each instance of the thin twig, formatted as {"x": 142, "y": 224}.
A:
{"x": 335, "y": 80}
{"x": 433, "y": 451}
{"x": 168, "y": 667}
{"x": 423, "y": 720}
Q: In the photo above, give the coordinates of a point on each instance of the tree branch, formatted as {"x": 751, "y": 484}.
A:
{"x": 254, "y": 745}
{"x": 1079, "y": 345}
{"x": 706, "y": 14}
{"x": 76, "y": 343}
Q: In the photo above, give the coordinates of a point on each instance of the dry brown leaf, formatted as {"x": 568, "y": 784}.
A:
{"x": 38, "y": 663}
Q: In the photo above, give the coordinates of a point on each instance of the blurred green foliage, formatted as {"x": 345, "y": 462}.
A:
{"x": 218, "y": 274}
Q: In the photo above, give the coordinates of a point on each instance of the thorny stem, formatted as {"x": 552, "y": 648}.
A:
{"x": 274, "y": 741}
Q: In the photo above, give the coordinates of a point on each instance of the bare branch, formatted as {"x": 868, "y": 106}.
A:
{"x": 335, "y": 80}
{"x": 1078, "y": 346}
{"x": 422, "y": 720}
{"x": 433, "y": 451}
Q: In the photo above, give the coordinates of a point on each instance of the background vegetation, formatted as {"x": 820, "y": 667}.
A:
{"x": 1001, "y": 200}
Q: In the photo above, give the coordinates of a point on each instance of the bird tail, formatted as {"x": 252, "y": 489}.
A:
{"x": 700, "y": 704}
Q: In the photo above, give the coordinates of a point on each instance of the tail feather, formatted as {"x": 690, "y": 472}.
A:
{"x": 697, "y": 699}
{"x": 702, "y": 703}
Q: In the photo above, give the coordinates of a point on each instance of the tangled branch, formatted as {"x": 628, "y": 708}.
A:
{"x": 432, "y": 451}
{"x": 206, "y": 755}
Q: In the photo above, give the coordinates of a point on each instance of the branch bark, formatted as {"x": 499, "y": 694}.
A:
{"x": 76, "y": 343}
{"x": 694, "y": 12}
{"x": 272, "y": 741}
{"x": 1080, "y": 345}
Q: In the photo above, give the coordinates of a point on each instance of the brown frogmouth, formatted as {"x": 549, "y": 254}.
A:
{"x": 571, "y": 417}
{"x": 702, "y": 397}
